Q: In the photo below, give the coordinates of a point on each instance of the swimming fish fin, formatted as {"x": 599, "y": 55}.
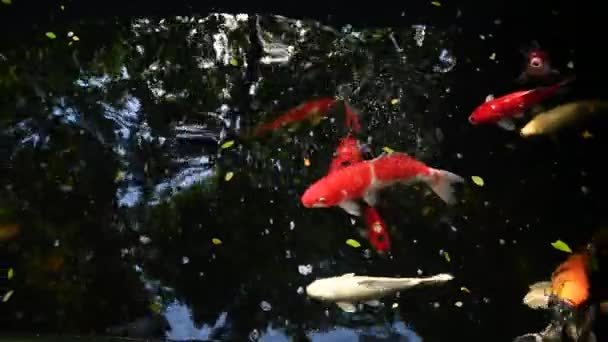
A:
{"x": 371, "y": 197}
{"x": 506, "y": 124}
{"x": 347, "y": 307}
{"x": 441, "y": 181}
{"x": 351, "y": 207}
{"x": 373, "y": 302}
{"x": 538, "y": 296}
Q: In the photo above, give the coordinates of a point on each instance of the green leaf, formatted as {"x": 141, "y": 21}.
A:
{"x": 227, "y": 144}
{"x": 353, "y": 243}
{"x": 50, "y": 35}
{"x": 561, "y": 246}
{"x": 478, "y": 180}
{"x": 388, "y": 149}
{"x": 10, "y": 274}
{"x": 7, "y": 2}
{"x": 234, "y": 61}
{"x": 229, "y": 176}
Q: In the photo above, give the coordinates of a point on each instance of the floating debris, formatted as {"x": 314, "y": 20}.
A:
{"x": 587, "y": 135}
{"x": 477, "y": 180}
{"x": 292, "y": 225}
{"x": 234, "y": 61}
{"x": 144, "y": 240}
{"x": 7, "y": 2}
{"x": 185, "y": 260}
{"x": 464, "y": 289}
{"x": 306, "y": 162}
{"x": 300, "y": 290}
{"x": 305, "y": 269}
{"x": 570, "y": 65}
{"x": 395, "y": 305}
{"x": 493, "y": 56}
{"x": 216, "y": 241}
{"x": 394, "y": 101}
{"x": 50, "y": 35}
{"x": 10, "y": 273}
{"x": 387, "y": 149}
{"x": 561, "y": 246}
{"x": 436, "y": 3}
{"x": 353, "y": 243}
{"x": 445, "y": 255}
{"x": 458, "y": 304}
{"x": 265, "y": 306}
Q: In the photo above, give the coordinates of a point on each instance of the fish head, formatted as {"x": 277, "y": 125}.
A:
{"x": 484, "y": 113}
{"x": 320, "y": 289}
{"x": 322, "y": 194}
{"x": 530, "y": 129}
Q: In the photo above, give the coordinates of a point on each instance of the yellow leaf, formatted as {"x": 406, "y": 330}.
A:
{"x": 234, "y": 61}
{"x": 561, "y": 246}
{"x": 427, "y": 210}
{"x": 7, "y": 296}
{"x": 477, "y": 180}
{"x": 306, "y": 162}
{"x": 464, "y": 289}
{"x": 447, "y": 257}
{"x": 7, "y": 2}
{"x": 216, "y": 241}
{"x": 587, "y": 135}
{"x": 11, "y": 273}
{"x": 75, "y": 38}
{"x": 436, "y": 3}
{"x": 394, "y": 101}
{"x": 387, "y": 149}
{"x": 353, "y": 243}
{"x": 50, "y": 35}
{"x": 229, "y": 176}
{"x": 227, "y": 144}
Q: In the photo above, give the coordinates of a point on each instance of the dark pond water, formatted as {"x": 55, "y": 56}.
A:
{"x": 113, "y": 174}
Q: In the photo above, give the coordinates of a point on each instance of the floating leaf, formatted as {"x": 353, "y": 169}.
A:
{"x": 228, "y": 176}
{"x": 75, "y": 38}
{"x": 477, "y": 180}
{"x": 446, "y": 255}
{"x": 50, "y": 35}
{"x": 11, "y": 273}
{"x": 561, "y": 246}
{"x": 306, "y": 162}
{"x": 436, "y": 3}
{"x": 234, "y": 61}
{"x": 464, "y": 289}
{"x": 62, "y": 7}
{"x": 227, "y": 144}
{"x": 353, "y": 243}
{"x": 216, "y": 241}
{"x": 7, "y": 296}
{"x": 394, "y": 101}
{"x": 587, "y": 135}
{"x": 7, "y": 2}
{"x": 427, "y": 210}
{"x": 387, "y": 149}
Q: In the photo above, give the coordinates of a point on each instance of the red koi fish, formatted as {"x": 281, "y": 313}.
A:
{"x": 347, "y": 153}
{"x": 538, "y": 64}
{"x": 503, "y": 109}
{"x": 365, "y": 179}
{"x": 314, "y": 111}
{"x": 377, "y": 232}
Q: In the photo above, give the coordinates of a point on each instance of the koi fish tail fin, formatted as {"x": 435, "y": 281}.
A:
{"x": 442, "y": 183}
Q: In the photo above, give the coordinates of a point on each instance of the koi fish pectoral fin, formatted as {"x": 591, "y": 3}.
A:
{"x": 347, "y": 307}
{"x": 351, "y": 207}
{"x": 371, "y": 198}
{"x": 506, "y": 124}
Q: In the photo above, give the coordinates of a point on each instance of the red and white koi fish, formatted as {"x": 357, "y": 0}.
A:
{"x": 502, "y": 110}
{"x": 365, "y": 179}
{"x": 377, "y": 232}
